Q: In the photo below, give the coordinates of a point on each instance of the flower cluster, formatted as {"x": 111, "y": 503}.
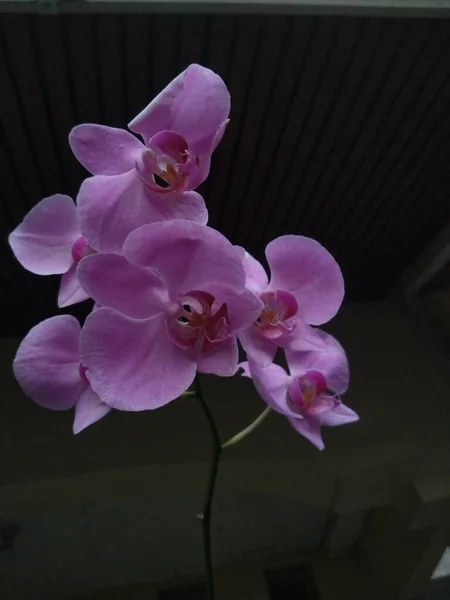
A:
{"x": 172, "y": 296}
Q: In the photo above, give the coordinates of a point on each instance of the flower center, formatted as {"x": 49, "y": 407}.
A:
{"x": 164, "y": 165}
{"x": 196, "y": 324}
{"x": 279, "y": 306}
{"x": 310, "y": 396}
{"x": 80, "y": 249}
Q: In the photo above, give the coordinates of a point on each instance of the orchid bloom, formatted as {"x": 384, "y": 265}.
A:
{"x": 135, "y": 183}
{"x": 49, "y": 242}
{"x": 172, "y": 304}
{"x": 310, "y": 395}
{"x": 48, "y": 368}
{"x": 306, "y": 288}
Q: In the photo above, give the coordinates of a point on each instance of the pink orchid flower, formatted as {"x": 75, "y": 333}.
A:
{"x": 49, "y": 242}
{"x": 137, "y": 183}
{"x": 310, "y": 396}
{"x": 171, "y": 305}
{"x": 48, "y": 368}
{"x": 306, "y": 288}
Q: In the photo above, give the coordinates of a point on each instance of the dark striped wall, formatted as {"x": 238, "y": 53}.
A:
{"x": 339, "y": 130}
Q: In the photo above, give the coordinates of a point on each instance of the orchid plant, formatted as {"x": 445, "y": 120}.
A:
{"x": 173, "y": 297}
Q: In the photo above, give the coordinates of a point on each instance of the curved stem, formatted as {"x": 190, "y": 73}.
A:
{"x": 244, "y": 433}
{"x": 206, "y": 515}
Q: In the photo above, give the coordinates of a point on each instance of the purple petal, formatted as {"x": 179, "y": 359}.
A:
{"x": 188, "y": 256}
{"x": 243, "y": 309}
{"x": 88, "y": 410}
{"x": 310, "y": 429}
{"x": 110, "y": 208}
{"x": 105, "y": 150}
{"x": 132, "y": 364}
{"x": 272, "y": 383}
{"x": 221, "y": 359}
{"x": 331, "y": 361}
{"x": 47, "y": 363}
{"x": 303, "y": 337}
{"x": 189, "y": 206}
{"x": 112, "y": 281}
{"x": 303, "y": 267}
{"x": 258, "y": 348}
{"x": 42, "y": 243}
{"x": 195, "y": 105}
{"x": 257, "y": 280}
{"x": 70, "y": 290}
{"x": 338, "y": 416}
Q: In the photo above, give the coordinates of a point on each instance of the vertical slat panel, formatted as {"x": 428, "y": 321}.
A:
{"x": 48, "y": 45}
{"x": 244, "y": 53}
{"x": 340, "y": 128}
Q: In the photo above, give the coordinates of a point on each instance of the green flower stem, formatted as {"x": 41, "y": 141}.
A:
{"x": 206, "y": 515}
{"x": 217, "y": 448}
{"x": 245, "y": 432}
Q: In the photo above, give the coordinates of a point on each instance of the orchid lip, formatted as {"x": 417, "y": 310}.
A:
{"x": 195, "y": 325}
{"x": 309, "y": 395}
{"x": 279, "y": 307}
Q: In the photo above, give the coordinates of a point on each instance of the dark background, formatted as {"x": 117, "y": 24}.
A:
{"x": 339, "y": 129}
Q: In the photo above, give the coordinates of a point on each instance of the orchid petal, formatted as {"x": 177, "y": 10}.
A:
{"x": 331, "y": 361}
{"x": 195, "y": 105}
{"x": 340, "y": 415}
{"x": 188, "y": 205}
{"x": 310, "y": 429}
{"x": 110, "y": 208}
{"x": 42, "y": 243}
{"x": 47, "y": 363}
{"x": 257, "y": 280}
{"x": 132, "y": 364}
{"x": 272, "y": 383}
{"x": 243, "y": 309}
{"x": 258, "y": 348}
{"x": 303, "y": 267}
{"x": 221, "y": 359}
{"x": 303, "y": 337}
{"x": 105, "y": 150}
{"x": 88, "y": 410}
{"x": 70, "y": 290}
{"x": 132, "y": 290}
{"x": 187, "y": 256}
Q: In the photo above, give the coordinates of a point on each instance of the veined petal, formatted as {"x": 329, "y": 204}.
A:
{"x": 70, "y": 290}
{"x": 340, "y": 415}
{"x": 259, "y": 349}
{"x": 188, "y": 205}
{"x": 110, "y": 208}
{"x": 303, "y": 267}
{"x": 132, "y": 365}
{"x": 195, "y": 105}
{"x": 310, "y": 429}
{"x": 88, "y": 410}
{"x": 42, "y": 243}
{"x": 257, "y": 280}
{"x": 132, "y": 290}
{"x": 47, "y": 363}
{"x": 272, "y": 383}
{"x": 187, "y": 256}
{"x": 331, "y": 361}
{"x": 243, "y": 309}
{"x": 104, "y": 150}
{"x": 221, "y": 359}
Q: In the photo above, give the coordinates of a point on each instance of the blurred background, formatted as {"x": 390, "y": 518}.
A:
{"x": 339, "y": 130}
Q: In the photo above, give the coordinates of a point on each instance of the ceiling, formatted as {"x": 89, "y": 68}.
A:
{"x": 339, "y": 129}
